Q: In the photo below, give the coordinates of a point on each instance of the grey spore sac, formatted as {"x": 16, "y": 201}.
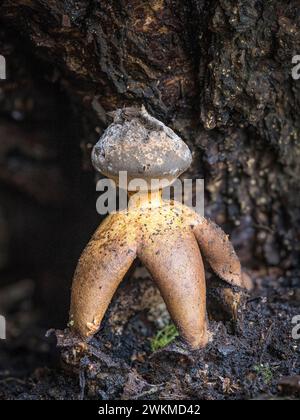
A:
{"x": 140, "y": 144}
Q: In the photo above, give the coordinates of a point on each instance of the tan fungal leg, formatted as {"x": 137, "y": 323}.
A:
{"x": 219, "y": 252}
{"x": 175, "y": 263}
{"x": 101, "y": 268}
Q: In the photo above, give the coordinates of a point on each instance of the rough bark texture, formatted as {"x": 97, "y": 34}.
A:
{"x": 218, "y": 72}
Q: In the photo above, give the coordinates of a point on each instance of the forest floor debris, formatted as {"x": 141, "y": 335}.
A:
{"x": 261, "y": 360}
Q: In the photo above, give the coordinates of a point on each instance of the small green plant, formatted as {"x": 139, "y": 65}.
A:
{"x": 164, "y": 337}
{"x": 265, "y": 372}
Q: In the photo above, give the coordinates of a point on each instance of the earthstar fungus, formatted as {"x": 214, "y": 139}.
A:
{"x": 166, "y": 236}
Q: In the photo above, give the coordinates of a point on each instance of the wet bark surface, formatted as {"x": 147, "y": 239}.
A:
{"x": 217, "y": 72}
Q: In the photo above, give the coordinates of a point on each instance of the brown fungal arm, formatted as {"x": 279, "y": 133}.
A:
{"x": 218, "y": 251}
{"x": 175, "y": 264}
{"x": 101, "y": 268}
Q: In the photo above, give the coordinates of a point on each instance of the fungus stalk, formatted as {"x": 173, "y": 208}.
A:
{"x": 167, "y": 237}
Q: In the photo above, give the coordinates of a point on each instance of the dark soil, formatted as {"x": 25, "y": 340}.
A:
{"x": 245, "y": 362}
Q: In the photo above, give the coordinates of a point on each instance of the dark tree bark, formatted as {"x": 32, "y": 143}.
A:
{"x": 219, "y": 72}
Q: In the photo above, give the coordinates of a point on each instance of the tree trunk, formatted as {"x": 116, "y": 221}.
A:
{"x": 218, "y": 72}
